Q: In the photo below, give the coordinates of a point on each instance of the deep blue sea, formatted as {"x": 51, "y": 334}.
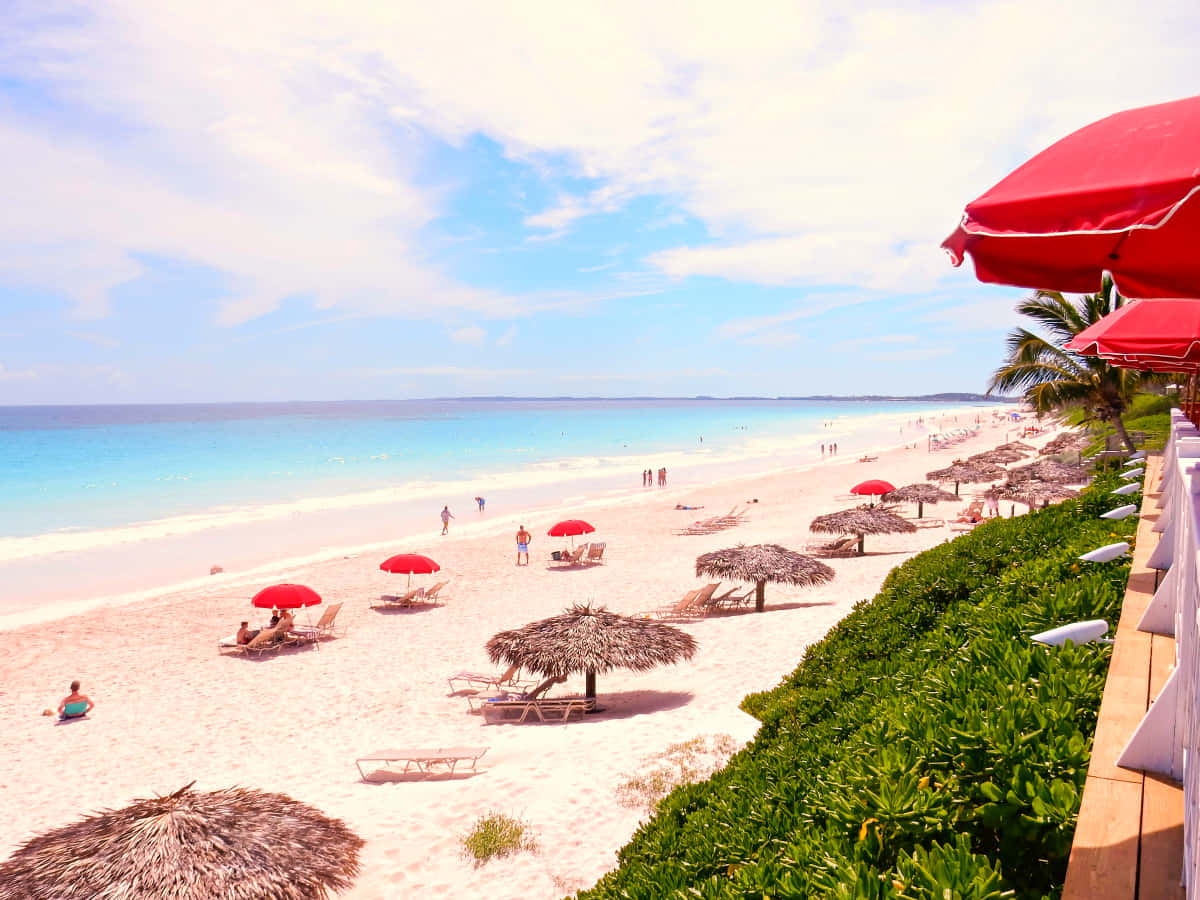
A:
{"x": 94, "y": 467}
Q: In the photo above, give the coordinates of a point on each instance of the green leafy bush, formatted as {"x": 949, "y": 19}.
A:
{"x": 924, "y": 748}
{"x": 496, "y": 834}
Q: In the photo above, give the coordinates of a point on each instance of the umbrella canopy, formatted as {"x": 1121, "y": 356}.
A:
{"x": 570, "y": 528}
{"x": 286, "y": 596}
{"x": 1015, "y": 445}
{"x": 873, "y": 488}
{"x": 919, "y": 494}
{"x": 232, "y": 844}
{"x": 1031, "y": 492}
{"x": 966, "y": 473}
{"x": 761, "y": 563}
{"x": 1048, "y": 470}
{"x": 410, "y": 564}
{"x": 996, "y": 457}
{"x": 1150, "y": 332}
{"x": 1070, "y": 440}
{"x": 588, "y": 640}
{"x": 1120, "y": 195}
{"x": 861, "y": 521}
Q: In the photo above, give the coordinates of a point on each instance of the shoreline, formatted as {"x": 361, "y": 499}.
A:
{"x": 216, "y": 719}
{"x": 133, "y": 563}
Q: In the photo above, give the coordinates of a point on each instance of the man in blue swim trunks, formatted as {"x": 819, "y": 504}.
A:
{"x": 523, "y": 539}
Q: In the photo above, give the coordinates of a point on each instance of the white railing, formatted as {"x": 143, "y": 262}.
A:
{"x": 1167, "y": 741}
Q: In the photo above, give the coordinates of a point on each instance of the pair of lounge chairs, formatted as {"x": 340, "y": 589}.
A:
{"x": 541, "y": 709}
{"x": 716, "y": 523}
{"x": 425, "y": 759}
{"x": 474, "y": 682}
{"x": 270, "y": 639}
{"x": 584, "y": 554}
{"x": 841, "y": 547}
{"x": 430, "y": 596}
{"x": 701, "y": 602}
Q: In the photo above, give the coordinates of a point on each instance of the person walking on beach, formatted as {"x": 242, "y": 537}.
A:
{"x": 481, "y": 502}
{"x": 523, "y": 539}
{"x": 75, "y": 700}
{"x": 446, "y": 517}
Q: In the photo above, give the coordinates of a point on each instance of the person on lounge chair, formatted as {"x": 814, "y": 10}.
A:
{"x": 75, "y": 705}
{"x": 246, "y": 634}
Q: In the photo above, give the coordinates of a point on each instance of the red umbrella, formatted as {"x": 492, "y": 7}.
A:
{"x": 409, "y": 564}
{"x": 873, "y": 488}
{"x": 286, "y": 596}
{"x": 1119, "y": 195}
{"x": 1154, "y": 332}
{"x": 570, "y": 527}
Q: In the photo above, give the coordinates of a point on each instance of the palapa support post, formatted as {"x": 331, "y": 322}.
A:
{"x": 862, "y": 545}
{"x": 760, "y": 596}
{"x": 589, "y": 685}
{"x": 920, "y": 509}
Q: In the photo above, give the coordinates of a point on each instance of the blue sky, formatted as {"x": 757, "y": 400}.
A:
{"x": 228, "y": 201}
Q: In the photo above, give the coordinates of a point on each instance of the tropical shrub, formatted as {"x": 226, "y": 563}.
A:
{"x": 925, "y": 748}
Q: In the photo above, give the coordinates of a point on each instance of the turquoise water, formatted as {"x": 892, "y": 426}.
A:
{"x": 105, "y": 466}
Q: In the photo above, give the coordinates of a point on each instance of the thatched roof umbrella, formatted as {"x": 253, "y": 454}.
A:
{"x": 1015, "y": 445}
{"x": 861, "y": 521}
{"x": 1048, "y": 470}
{"x": 919, "y": 494}
{"x": 967, "y": 473}
{"x": 996, "y": 457}
{"x": 1031, "y": 492}
{"x": 761, "y": 563}
{"x": 588, "y": 640}
{"x": 235, "y": 843}
{"x": 1068, "y": 440}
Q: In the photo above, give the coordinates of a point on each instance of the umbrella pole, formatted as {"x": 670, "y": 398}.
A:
{"x": 862, "y": 540}
{"x": 920, "y": 509}
{"x": 956, "y": 489}
{"x": 589, "y": 685}
{"x": 760, "y": 596}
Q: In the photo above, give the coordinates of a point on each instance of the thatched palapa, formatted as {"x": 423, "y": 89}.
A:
{"x": 966, "y": 473}
{"x": 232, "y": 844}
{"x": 1031, "y": 492}
{"x": 1048, "y": 470}
{"x": 861, "y": 521}
{"x": 1065, "y": 442}
{"x": 588, "y": 640}
{"x": 1016, "y": 445}
{"x": 919, "y": 494}
{"x": 996, "y": 457}
{"x": 760, "y": 563}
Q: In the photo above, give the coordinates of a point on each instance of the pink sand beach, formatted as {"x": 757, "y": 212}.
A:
{"x": 170, "y": 709}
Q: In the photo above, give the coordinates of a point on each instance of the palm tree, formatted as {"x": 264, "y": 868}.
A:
{"x": 1054, "y": 379}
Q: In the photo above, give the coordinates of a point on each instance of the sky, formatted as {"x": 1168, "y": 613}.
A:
{"x": 355, "y": 200}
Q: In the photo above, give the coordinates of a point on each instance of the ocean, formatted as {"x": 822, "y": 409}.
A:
{"x": 102, "y": 479}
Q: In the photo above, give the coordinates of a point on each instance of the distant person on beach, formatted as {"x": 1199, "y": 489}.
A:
{"x": 481, "y": 502}
{"x": 74, "y": 700}
{"x": 446, "y": 517}
{"x": 523, "y": 539}
{"x": 246, "y": 634}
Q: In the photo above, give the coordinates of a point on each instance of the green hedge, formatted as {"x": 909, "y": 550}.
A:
{"x": 924, "y": 749}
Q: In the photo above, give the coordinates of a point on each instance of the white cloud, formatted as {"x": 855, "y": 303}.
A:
{"x": 765, "y": 330}
{"x": 817, "y": 144}
{"x": 100, "y": 340}
{"x": 454, "y": 371}
{"x": 875, "y": 340}
{"x": 507, "y": 338}
{"x": 472, "y": 334}
{"x": 914, "y": 354}
{"x": 7, "y": 374}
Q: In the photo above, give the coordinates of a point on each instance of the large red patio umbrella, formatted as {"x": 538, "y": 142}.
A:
{"x": 409, "y": 564}
{"x": 1119, "y": 195}
{"x": 873, "y": 488}
{"x": 285, "y": 596}
{"x": 1154, "y": 332}
{"x": 570, "y": 528}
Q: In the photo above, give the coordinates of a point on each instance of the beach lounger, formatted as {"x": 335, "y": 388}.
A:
{"x": 392, "y": 600}
{"x": 677, "y": 608}
{"x": 570, "y": 559}
{"x": 432, "y": 595}
{"x": 479, "y": 681}
{"x": 424, "y": 759}
{"x": 841, "y": 547}
{"x": 268, "y": 639}
{"x": 550, "y": 709}
{"x": 595, "y": 552}
{"x": 324, "y": 628}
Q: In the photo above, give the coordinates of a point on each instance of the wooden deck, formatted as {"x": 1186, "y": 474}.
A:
{"x": 1129, "y": 839}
